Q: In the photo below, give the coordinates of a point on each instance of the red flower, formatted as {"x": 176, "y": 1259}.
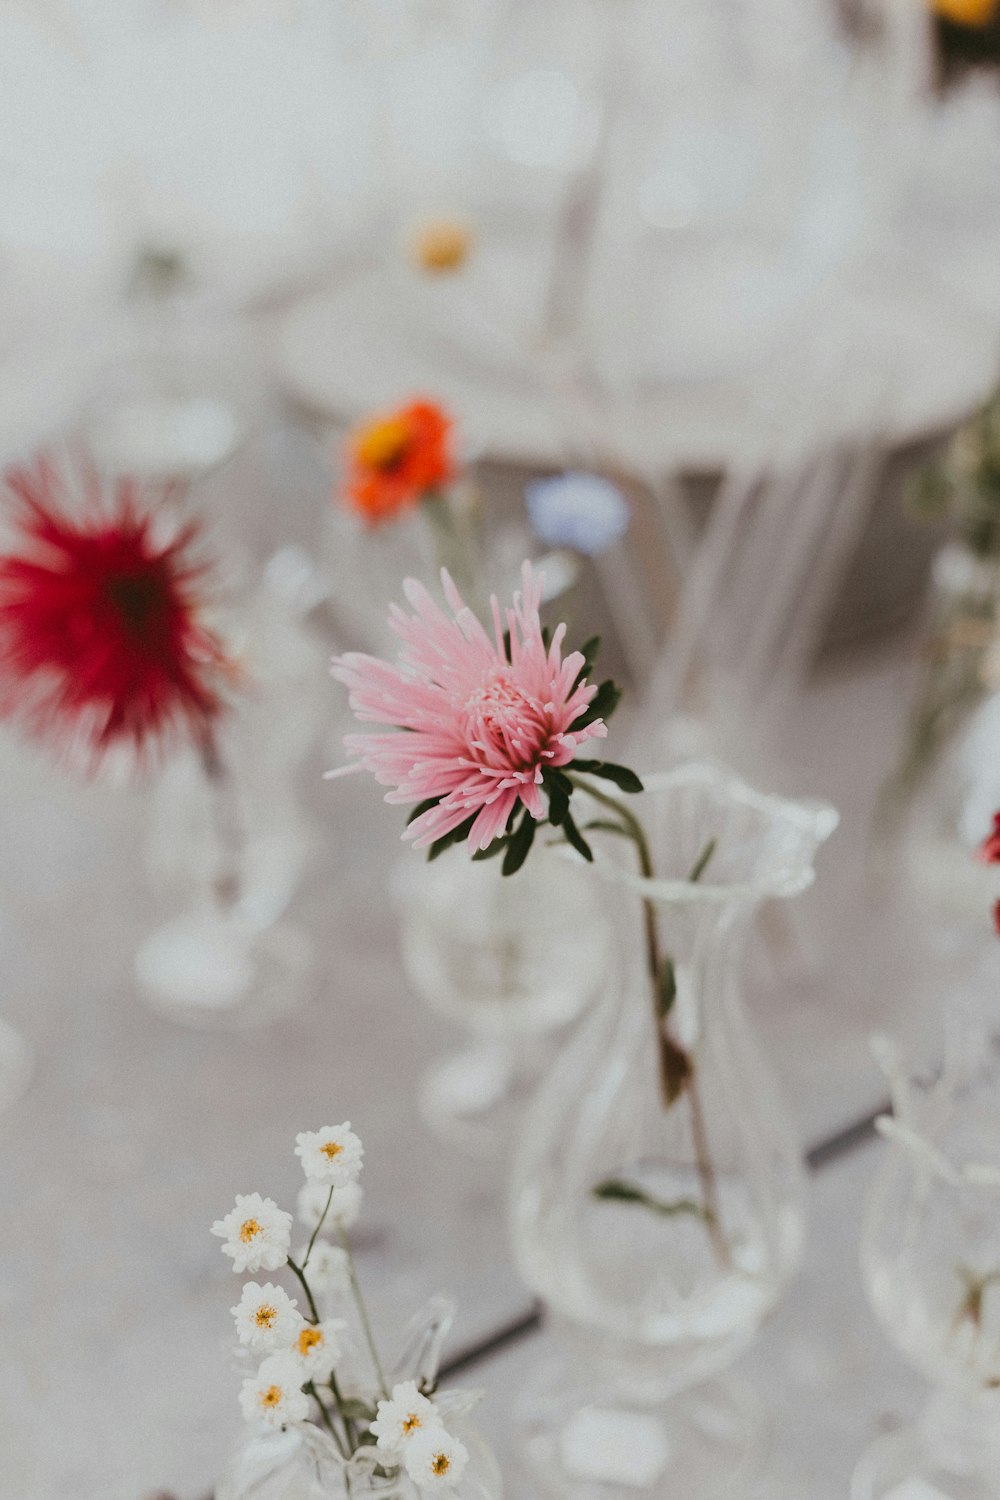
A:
{"x": 989, "y": 849}
{"x": 396, "y": 459}
{"x": 102, "y": 644}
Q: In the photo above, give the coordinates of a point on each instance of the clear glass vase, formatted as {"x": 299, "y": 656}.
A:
{"x": 512, "y": 961}
{"x": 931, "y": 1263}
{"x": 229, "y": 841}
{"x": 656, "y": 1203}
{"x": 300, "y": 1462}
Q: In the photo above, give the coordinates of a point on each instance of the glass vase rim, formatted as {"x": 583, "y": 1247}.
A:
{"x": 816, "y": 819}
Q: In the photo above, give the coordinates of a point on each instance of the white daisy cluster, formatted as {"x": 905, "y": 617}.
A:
{"x": 300, "y": 1346}
{"x": 409, "y": 1430}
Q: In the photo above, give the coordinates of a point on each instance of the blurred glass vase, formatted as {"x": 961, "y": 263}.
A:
{"x": 931, "y": 1264}
{"x": 656, "y": 1203}
{"x": 511, "y": 960}
{"x": 229, "y": 839}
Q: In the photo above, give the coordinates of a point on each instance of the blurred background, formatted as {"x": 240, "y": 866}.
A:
{"x": 728, "y": 269}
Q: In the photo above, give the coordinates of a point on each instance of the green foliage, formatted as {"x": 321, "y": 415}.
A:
{"x": 617, "y": 1190}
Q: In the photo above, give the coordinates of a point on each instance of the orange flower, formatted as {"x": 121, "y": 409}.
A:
{"x": 966, "y": 12}
{"x": 396, "y": 459}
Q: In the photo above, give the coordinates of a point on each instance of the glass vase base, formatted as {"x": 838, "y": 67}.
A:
{"x": 219, "y": 974}
{"x": 900, "y": 1466}
{"x": 17, "y": 1065}
{"x": 591, "y": 1443}
{"x": 474, "y": 1099}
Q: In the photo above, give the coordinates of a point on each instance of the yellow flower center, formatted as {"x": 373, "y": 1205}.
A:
{"x": 308, "y": 1340}
{"x": 440, "y": 1463}
{"x": 249, "y": 1230}
{"x": 265, "y": 1315}
{"x": 410, "y": 1423}
{"x": 442, "y": 245}
{"x": 382, "y": 444}
{"x": 330, "y": 1149}
{"x": 271, "y": 1397}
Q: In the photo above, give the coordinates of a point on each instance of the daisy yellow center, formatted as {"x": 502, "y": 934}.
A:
{"x": 308, "y": 1340}
{"x": 410, "y": 1423}
{"x": 249, "y": 1230}
{"x": 331, "y": 1149}
{"x": 265, "y": 1315}
{"x": 381, "y": 445}
{"x": 442, "y": 246}
{"x": 271, "y": 1397}
{"x": 440, "y": 1463}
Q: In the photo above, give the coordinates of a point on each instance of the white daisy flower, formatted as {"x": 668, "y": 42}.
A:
{"x": 256, "y": 1233}
{"x": 275, "y": 1395}
{"x": 331, "y": 1155}
{"x": 345, "y": 1205}
{"x": 435, "y": 1460}
{"x": 328, "y": 1267}
{"x": 400, "y": 1420}
{"x": 266, "y": 1317}
{"x": 318, "y": 1346}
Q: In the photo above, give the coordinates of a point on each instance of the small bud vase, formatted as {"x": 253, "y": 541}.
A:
{"x": 511, "y": 961}
{"x": 930, "y": 1260}
{"x": 300, "y": 1462}
{"x": 657, "y": 1195}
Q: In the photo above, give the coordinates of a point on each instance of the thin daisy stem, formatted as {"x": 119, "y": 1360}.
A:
{"x": 349, "y": 1427}
{"x": 327, "y": 1419}
{"x": 363, "y": 1315}
{"x": 319, "y": 1225}
{"x": 297, "y": 1271}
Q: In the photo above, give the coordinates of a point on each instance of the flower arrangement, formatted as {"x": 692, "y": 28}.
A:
{"x": 483, "y": 739}
{"x": 104, "y": 640}
{"x": 309, "y": 1368}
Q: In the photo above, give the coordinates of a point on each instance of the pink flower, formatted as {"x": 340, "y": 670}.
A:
{"x": 481, "y": 724}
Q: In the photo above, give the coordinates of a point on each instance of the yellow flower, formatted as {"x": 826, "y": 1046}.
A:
{"x": 441, "y": 245}
{"x": 966, "y": 12}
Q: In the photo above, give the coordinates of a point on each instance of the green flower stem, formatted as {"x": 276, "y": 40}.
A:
{"x": 634, "y": 830}
{"x": 319, "y": 1225}
{"x": 298, "y": 1272}
{"x": 327, "y": 1419}
{"x": 363, "y": 1315}
{"x": 349, "y": 1427}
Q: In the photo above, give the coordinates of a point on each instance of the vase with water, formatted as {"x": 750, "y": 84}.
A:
{"x": 657, "y": 1196}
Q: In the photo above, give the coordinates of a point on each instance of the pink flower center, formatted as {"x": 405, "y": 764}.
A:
{"x": 504, "y": 724}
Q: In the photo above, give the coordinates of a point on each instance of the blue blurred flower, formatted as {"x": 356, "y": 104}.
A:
{"x": 577, "y": 510}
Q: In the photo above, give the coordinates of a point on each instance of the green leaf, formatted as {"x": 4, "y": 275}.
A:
{"x": 356, "y": 1411}
{"x": 617, "y": 1190}
{"x": 666, "y": 989}
{"x": 601, "y": 706}
{"x": 559, "y": 789}
{"x": 492, "y": 850}
{"x": 422, "y": 807}
{"x": 701, "y": 862}
{"x": 675, "y": 1069}
{"x": 447, "y": 839}
{"x": 519, "y": 844}
{"x": 624, "y": 779}
{"x": 576, "y": 838}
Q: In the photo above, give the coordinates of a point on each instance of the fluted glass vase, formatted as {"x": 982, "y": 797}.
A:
{"x": 931, "y": 1264}
{"x": 657, "y": 1194}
